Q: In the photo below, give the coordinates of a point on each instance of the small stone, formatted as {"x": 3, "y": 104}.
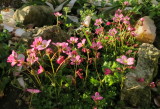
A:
{"x": 145, "y": 30}
{"x": 87, "y": 21}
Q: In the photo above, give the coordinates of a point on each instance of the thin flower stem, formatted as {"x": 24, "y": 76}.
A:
{"x": 87, "y": 37}
{"x": 57, "y": 21}
{"x": 50, "y": 59}
{"x": 75, "y": 75}
{"x": 87, "y": 67}
{"x": 30, "y": 101}
{"x": 95, "y": 61}
{"x": 75, "y": 69}
{"x": 52, "y": 56}
{"x": 50, "y": 78}
{"x": 37, "y": 79}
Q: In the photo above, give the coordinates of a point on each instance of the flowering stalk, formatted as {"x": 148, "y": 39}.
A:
{"x": 57, "y": 14}
{"x": 30, "y": 103}
{"x": 87, "y": 37}
{"x": 95, "y": 64}
{"x": 50, "y": 59}
{"x": 87, "y": 66}
{"x": 75, "y": 74}
{"x": 35, "y": 76}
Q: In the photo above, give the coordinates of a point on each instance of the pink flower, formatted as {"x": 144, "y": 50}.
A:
{"x": 97, "y": 97}
{"x": 131, "y": 67}
{"x": 99, "y": 30}
{"x": 33, "y": 91}
{"x": 73, "y": 40}
{"x": 37, "y": 41}
{"x": 106, "y": 37}
{"x": 20, "y": 61}
{"x": 81, "y": 44}
{"x": 112, "y": 32}
{"x": 40, "y": 70}
{"x": 126, "y": 20}
{"x": 107, "y": 71}
{"x": 63, "y": 47}
{"x": 29, "y": 51}
{"x": 76, "y": 60}
{"x": 96, "y": 46}
{"x": 78, "y": 72}
{"x": 95, "y": 107}
{"x": 117, "y": 17}
{"x": 119, "y": 11}
{"x": 108, "y": 23}
{"x": 98, "y": 22}
{"x": 43, "y": 45}
{"x": 126, "y": 3}
{"x": 152, "y": 85}
{"x": 49, "y": 51}
{"x": 32, "y": 58}
{"x": 142, "y": 19}
{"x": 130, "y": 28}
{"x": 57, "y": 14}
{"x": 13, "y": 58}
{"x": 40, "y": 44}
{"x": 133, "y": 33}
{"x": 59, "y": 44}
{"x": 140, "y": 79}
{"x": 128, "y": 52}
{"x": 73, "y": 53}
{"x": 85, "y": 50}
{"x": 60, "y": 60}
{"x": 126, "y": 61}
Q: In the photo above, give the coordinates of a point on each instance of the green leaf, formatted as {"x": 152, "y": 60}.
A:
{"x": 4, "y": 82}
{"x": 94, "y": 81}
{"x": 114, "y": 65}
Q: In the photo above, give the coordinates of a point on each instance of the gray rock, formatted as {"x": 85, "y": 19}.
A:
{"x": 37, "y": 15}
{"x": 138, "y": 94}
{"x": 55, "y": 33}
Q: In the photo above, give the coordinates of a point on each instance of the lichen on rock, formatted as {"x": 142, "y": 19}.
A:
{"x": 135, "y": 93}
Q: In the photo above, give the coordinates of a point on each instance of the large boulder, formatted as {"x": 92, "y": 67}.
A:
{"x": 145, "y": 30}
{"x": 37, "y": 15}
{"x": 136, "y": 93}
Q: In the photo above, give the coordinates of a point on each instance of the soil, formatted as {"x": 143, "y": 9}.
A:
{"x": 13, "y": 99}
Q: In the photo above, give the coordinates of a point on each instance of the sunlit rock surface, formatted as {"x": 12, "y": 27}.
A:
{"x": 145, "y": 30}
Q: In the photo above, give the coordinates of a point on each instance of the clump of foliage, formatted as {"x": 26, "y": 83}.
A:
{"x": 4, "y": 67}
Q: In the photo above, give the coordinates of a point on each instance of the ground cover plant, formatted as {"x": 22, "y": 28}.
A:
{"x": 87, "y": 70}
